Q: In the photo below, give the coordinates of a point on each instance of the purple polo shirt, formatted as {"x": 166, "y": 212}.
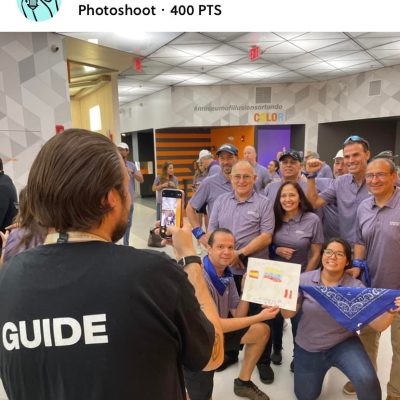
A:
{"x": 209, "y": 190}
{"x": 245, "y": 219}
{"x": 378, "y": 229}
{"x": 299, "y": 233}
{"x": 345, "y": 192}
{"x": 132, "y": 166}
{"x": 213, "y": 168}
{"x": 228, "y": 301}
{"x": 263, "y": 177}
{"x": 325, "y": 171}
{"x": 317, "y": 330}
{"x": 330, "y": 216}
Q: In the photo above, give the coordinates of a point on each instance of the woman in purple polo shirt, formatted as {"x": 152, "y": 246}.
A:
{"x": 321, "y": 343}
{"x": 297, "y": 239}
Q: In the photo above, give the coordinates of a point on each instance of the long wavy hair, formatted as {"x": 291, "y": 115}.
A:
{"x": 304, "y": 205}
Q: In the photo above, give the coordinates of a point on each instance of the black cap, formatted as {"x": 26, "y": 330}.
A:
{"x": 229, "y": 148}
{"x": 293, "y": 154}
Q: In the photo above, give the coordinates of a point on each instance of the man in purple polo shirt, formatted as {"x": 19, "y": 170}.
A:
{"x": 207, "y": 161}
{"x": 240, "y": 329}
{"x": 250, "y": 217}
{"x": 211, "y": 188}
{"x": 348, "y": 191}
{"x": 290, "y": 169}
{"x": 378, "y": 244}
{"x": 263, "y": 177}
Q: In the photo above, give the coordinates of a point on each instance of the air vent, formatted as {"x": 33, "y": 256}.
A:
{"x": 263, "y": 95}
{"x": 375, "y": 88}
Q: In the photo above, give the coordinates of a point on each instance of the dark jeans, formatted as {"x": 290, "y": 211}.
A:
{"x": 200, "y": 384}
{"x": 128, "y": 228}
{"x": 349, "y": 357}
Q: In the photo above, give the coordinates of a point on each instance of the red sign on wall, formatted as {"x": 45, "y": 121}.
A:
{"x": 254, "y": 53}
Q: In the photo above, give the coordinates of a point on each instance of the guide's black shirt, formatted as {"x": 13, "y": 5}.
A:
{"x": 132, "y": 314}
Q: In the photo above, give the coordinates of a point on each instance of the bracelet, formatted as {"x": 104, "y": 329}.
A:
{"x": 198, "y": 232}
{"x": 311, "y": 176}
{"x": 362, "y": 264}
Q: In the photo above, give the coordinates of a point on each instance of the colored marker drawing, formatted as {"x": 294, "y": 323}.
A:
{"x": 272, "y": 283}
{"x": 39, "y": 10}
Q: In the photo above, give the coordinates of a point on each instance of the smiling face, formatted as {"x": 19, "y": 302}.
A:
{"x": 226, "y": 161}
{"x": 334, "y": 258}
{"x": 222, "y": 251}
{"x": 170, "y": 169}
{"x": 355, "y": 158}
{"x": 380, "y": 178}
{"x": 243, "y": 179}
{"x": 290, "y": 199}
{"x": 290, "y": 168}
{"x": 339, "y": 167}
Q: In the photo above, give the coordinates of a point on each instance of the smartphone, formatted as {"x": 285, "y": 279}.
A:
{"x": 172, "y": 202}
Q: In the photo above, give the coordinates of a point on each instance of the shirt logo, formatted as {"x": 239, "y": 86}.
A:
{"x": 394, "y": 223}
{"x": 255, "y": 213}
{"x": 300, "y": 232}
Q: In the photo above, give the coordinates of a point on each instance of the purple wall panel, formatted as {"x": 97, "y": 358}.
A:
{"x": 270, "y": 140}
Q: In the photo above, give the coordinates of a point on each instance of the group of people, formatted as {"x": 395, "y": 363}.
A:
{"x": 311, "y": 219}
{"x": 82, "y": 318}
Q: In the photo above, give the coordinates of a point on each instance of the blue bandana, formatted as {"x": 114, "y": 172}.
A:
{"x": 353, "y": 307}
{"x": 219, "y": 282}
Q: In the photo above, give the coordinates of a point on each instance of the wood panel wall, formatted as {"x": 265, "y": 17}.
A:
{"x": 181, "y": 147}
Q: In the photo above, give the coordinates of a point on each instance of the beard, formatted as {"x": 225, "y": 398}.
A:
{"x": 121, "y": 225}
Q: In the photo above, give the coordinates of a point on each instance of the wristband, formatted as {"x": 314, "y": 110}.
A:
{"x": 198, "y": 232}
{"x": 311, "y": 176}
{"x": 189, "y": 260}
{"x": 363, "y": 265}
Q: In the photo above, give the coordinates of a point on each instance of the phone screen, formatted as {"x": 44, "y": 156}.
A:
{"x": 171, "y": 208}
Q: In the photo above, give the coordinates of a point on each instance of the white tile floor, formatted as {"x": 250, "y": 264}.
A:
{"x": 282, "y": 388}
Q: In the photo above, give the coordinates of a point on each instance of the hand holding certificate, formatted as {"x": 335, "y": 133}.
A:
{"x": 273, "y": 283}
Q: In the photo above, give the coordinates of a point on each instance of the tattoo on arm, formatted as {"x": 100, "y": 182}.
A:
{"x": 217, "y": 346}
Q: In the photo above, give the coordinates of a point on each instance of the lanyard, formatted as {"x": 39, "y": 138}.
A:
{"x": 72, "y": 237}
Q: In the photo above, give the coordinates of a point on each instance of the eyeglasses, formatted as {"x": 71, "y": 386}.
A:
{"x": 244, "y": 177}
{"x": 338, "y": 254}
{"x": 379, "y": 175}
{"x": 356, "y": 139}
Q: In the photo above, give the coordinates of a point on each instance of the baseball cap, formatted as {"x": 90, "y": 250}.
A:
{"x": 229, "y": 148}
{"x": 204, "y": 153}
{"x": 387, "y": 154}
{"x": 123, "y": 145}
{"x": 339, "y": 154}
{"x": 291, "y": 153}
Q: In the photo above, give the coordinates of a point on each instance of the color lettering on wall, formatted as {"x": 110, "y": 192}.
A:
{"x": 262, "y": 117}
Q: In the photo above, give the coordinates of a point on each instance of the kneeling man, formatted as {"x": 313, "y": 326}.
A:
{"x": 240, "y": 329}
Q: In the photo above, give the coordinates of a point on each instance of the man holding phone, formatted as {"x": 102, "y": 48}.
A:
{"x": 104, "y": 321}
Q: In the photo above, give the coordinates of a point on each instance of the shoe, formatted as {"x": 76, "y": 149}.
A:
{"x": 276, "y": 357}
{"x": 248, "y": 389}
{"x": 292, "y": 366}
{"x": 267, "y": 375}
{"x": 348, "y": 389}
{"x": 228, "y": 361}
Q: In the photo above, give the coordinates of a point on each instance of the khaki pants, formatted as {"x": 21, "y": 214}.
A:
{"x": 370, "y": 339}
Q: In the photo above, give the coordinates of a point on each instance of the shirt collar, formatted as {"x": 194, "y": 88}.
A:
{"x": 317, "y": 278}
{"x": 250, "y": 199}
{"x": 393, "y": 201}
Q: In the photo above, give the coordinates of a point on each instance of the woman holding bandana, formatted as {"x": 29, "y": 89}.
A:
{"x": 321, "y": 341}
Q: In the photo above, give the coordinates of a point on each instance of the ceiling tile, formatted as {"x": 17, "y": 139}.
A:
{"x": 195, "y": 49}
{"x": 225, "y": 50}
{"x": 289, "y": 35}
{"x": 285, "y": 48}
{"x": 369, "y": 42}
{"x": 172, "y": 79}
{"x": 171, "y": 60}
{"x": 382, "y": 53}
{"x": 199, "y": 61}
{"x": 342, "y": 46}
{"x": 330, "y": 55}
{"x": 315, "y": 44}
{"x": 200, "y": 80}
{"x": 257, "y": 37}
{"x": 169, "y": 51}
{"x": 223, "y": 36}
{"x": 379, "y": 34}
{"x": 221, "y": 60}
{"x": 322, "y": 36}
{"x": 318, "y": 67}
{"x": 193, "y": 38}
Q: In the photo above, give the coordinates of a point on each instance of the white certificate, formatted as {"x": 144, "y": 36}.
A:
{"x": 273, "y": 283}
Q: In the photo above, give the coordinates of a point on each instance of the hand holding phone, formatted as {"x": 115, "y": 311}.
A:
{"x": 172, "y": 201}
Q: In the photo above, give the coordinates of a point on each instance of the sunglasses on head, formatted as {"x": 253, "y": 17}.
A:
{"x": 356, "y": 139}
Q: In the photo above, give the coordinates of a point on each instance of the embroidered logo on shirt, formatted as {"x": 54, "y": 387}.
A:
{"x": 300, "y": 232}
{"x": 255, "y": 213}
{"x": 394, "y": 223}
